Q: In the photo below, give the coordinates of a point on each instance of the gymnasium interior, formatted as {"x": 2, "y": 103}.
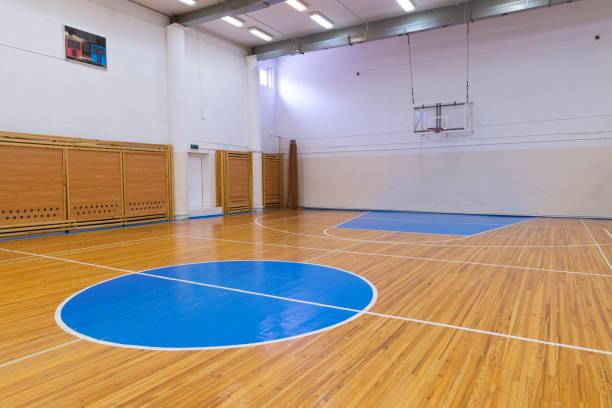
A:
{"x": 305, "y": 203}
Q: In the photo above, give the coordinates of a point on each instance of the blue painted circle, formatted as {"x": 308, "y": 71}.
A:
{"x": 216, "y": 305}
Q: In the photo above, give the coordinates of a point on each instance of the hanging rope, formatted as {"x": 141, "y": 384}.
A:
{"x": 467, "y": 17}
{"x": 467, "y": 65}
{"x": 410, "y": 62}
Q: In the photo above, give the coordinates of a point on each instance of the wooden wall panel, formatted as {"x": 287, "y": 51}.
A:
{"x": 234, "y": 181}
{"x": 146, "y": 184}
{"x": 272, "y": 168}
{"x": 239, "y": 177}
{"x": 94, "y": 185}
{"x": 59, "y": 183}
{"x": 31, "y": 185}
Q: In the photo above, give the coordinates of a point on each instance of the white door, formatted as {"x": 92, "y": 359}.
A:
{"x": 195, "y": 182}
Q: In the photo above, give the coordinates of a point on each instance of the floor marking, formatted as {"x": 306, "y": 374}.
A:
{"x": 420, "y": 243}
{"x": 490, "y": 333}
{"x": 341, "y": 222}
{"x": 326, "y": 232}
{"x": 117, "y": 244}
{"x": 37, "y": 353}
{"x": 248, "y": 292}
{"x": 447, "y": 222}
{"x": 608, "y": 232}
{"x": 462, "y": 328}
{"x": 67, "y": 260}
{"x": 71, "y": 251}
{"x": 426, "y": 322}
{"x": 94, "y": 238}
{"x": 344, "y": 251}
{"x": 596, "y": 243}
{"x": 358, "y": 313}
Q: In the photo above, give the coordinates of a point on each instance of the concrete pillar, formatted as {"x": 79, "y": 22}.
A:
{"x": 175, "y": 64}
{"x": 254, "y": 129}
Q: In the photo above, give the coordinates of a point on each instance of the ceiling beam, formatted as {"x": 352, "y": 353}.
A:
{"x": 408, "y": 23}
{"x": 225, "y": 8}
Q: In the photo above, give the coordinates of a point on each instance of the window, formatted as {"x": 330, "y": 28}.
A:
{"x": 263, "y": 77}
{"x": 266, "y": 78}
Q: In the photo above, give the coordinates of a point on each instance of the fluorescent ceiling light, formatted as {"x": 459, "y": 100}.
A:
{"x": 298, "y": 5}
{"x": 407, "y": 5}
{"x": 322, "y": 20}
{"x": 188, "y": 2}
{"x": 233, "y": 21}
{"x": 260, "y": 33}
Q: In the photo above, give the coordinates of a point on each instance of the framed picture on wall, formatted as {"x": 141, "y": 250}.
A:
{"x": 85, "y": 47}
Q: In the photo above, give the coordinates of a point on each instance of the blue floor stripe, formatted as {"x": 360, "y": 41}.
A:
{"x": 431, "y": 223}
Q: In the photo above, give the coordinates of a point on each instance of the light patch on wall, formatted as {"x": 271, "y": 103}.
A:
{"x": 295, "y": 94}
{"x": 263, "y": 77}
{"x": 266, "y": 77}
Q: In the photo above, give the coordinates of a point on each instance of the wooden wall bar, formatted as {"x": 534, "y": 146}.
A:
{"x": 58, "y": 183}
{"x": 31, "y": 186}
{"x": 234, "y": 181}
{"x": 94, "y": 185}
{"x": 146, "y": 184}
{"x": 272, "y": 168}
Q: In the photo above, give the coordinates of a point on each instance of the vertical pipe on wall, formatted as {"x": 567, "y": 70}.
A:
{"x": 254, "y": 129}
{"x": 175, "y": 49}
{"x": 292, "y": 199}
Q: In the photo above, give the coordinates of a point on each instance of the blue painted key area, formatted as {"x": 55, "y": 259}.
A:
{"x": 431, "y": 223}
{"x": 168, "y": 308}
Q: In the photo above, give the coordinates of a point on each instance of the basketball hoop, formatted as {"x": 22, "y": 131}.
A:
{"x": 435, "y": 129}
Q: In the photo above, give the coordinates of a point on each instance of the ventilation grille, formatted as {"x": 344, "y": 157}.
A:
{"x": 147, "y": 207}
{"x": 30, "y": 215}
{"x": 237, "y": 199}
{"x": 95, "y": 210}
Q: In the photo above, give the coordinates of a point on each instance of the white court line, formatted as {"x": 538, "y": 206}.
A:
{"x": 87, "y": 248}
{"x": 462, "y": 328}
{"x": 359, "y": 313}
{"x": 37, "y": 353}
{"x": 608, "y": 232}
{"x": 434, "y": 243}
{"x": 221, "y": 225}
{"x": 344, "y": 251}
{"x": 420, "y": 243}
{"x": 66, "y": 260}
{"x": 426, "y": 322}
{"x": 529, "y": 218}
{"x": 116, "y": 244}
{"x": 93, "y": 238}
{"x": 408, "y": 319}
{"x": 395, "y": 220}
{"x": 597, "y": 244}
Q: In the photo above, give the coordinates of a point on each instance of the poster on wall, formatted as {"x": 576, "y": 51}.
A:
{"x": 85, "y": 47}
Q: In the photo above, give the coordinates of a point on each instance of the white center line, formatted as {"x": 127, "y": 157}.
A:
{"x": 329, "y": 235}
{"x": 418, "y": 258}
{"x": 426, "y": 322}
{"x": 408, "y": 319}
{"x": 597, "y": 244}
{"x": 37, "y": 353}
{"x": 608, "y": 232}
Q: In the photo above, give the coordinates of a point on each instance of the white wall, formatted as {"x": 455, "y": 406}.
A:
{"x": 216, "y": 94}
{"x": 267, "y": 103}
{"x": 43, "y": 93}
{"x": 165, "y": 84}
{"x": 215, "y": 109}
{"x": 542, "y": 142}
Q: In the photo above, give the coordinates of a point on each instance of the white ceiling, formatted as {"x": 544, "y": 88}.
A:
{"x": 282, "y": 21}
